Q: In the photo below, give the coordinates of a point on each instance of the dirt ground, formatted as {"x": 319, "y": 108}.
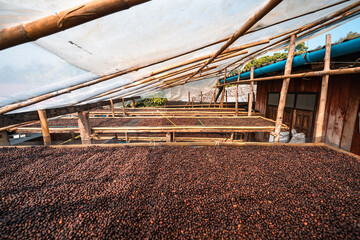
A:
{"x": 179, "y": 192}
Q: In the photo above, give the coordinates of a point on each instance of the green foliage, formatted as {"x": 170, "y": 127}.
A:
{"x": 349, "y": 36}
{"x": 151, "y": 102}
{"x": 299, "y": 49}
{"x": 257, "y": 62}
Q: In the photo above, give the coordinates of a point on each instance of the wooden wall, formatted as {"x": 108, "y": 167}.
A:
{"x": 341, "y": 108}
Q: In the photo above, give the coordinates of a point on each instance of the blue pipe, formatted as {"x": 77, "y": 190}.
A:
{"x": 337, "y": 50}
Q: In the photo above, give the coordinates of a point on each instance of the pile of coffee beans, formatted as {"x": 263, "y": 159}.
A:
{"x": 179, "y": 192}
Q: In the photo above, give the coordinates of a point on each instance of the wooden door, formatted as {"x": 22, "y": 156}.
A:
{"x": 303, "y": 122}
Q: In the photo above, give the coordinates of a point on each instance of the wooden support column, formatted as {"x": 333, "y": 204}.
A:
{"x": 237, "y": 96}
{"x": 223, "y": 91}
{"x": 323, "y": 95}
{"x": 226, "y": 102}
{"x": 192, "y": 102}
{"x": 284, "y": 89}
{"x": 189, "y": 101}
{"x": 123, "y": 105}
{"x": 84, "y": 127}
{"x": 133, "y": 104}
{"x": 112, "y": 108}
{"x": 44, "y": 127}
{"x": 251, "y": 93}
{"x": 168, "y": 137}
{"x": 215, "y": 98}
{"x": 4, "y": 139}
{"x": 201, "y": 98}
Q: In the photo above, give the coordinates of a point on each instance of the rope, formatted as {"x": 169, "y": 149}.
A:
{"x": 167, "y": 118}
{"x": 66, "y": 17}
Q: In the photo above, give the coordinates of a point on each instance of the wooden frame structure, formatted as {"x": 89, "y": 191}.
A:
{"x": 176, "y": 74}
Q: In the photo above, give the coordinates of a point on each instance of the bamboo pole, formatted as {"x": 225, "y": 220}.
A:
{"x": 251, "y": 22}
{"x": 112, "y": 107}
{"x": 342, "y": 13}
{"x": 84, "y": 127}
{"x": 61, "y": 21}
{"x": 237, "y": 95}
{"x": 323, "y": 94}
{"x": 207, "y": 143}
{"x": 284, "y": 88}
{"x": 250, "y": 103}
{"x": 44, "y": 127}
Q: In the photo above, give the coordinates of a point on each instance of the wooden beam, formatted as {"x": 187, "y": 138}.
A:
{"x": 250, "y": 100}
{"x": 60, "y": 21}
{"x": 84, "y": 127}
{"x": 44, "y": 127}
{"x": 271, "y": 4}
{"x": 4, "y": 139}
{"x": 342, "y": 14}
{"x": 284, "y": 88}
{"x": 207, "y": 143}
{"x": 319, "y": 125}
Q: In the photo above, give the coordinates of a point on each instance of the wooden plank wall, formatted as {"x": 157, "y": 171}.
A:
{"x": 341, "y": 107}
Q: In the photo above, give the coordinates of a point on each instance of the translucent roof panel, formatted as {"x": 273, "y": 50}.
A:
{"x": 142, "y": 35}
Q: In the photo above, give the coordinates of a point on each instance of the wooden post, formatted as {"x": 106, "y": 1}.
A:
{"x": 284, "y": 88}
{"x": 251, "y": 91}
{"x": 168, "y": 137}
{"x": 44, "y": 127}
{"x": 223, "y": 91}
{"x": 84, "y": 127}
{"x": 123, "y": 105}
{"x": 72, "y": 135}
{"x": 237, "y": 96}
{"x": 214, "y": 96}
{"x": 201, "y": 98}
{"x": 189, "y": 101}
{"x": 133, "y": 104}
{"x": 112, "y": 108}
{"x": 323, "y": 95}
{"x": 192, "y": 102}
{"x": 226, "y": 102}
{"x": 116, "y": 137}
{"x": 4, "y": 139}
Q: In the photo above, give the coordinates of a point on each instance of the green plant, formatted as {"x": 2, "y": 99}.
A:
{"x": 151, "y": 102}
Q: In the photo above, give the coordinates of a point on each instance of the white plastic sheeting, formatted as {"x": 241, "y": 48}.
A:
{"x": 145, "y": 34}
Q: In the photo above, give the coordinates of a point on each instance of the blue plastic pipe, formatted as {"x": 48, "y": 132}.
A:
{"x": 303, "y": 59}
